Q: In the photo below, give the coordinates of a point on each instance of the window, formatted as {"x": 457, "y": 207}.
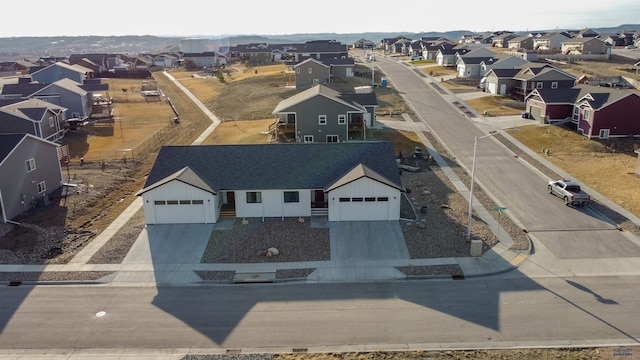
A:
{"x": 298, "y": 71}
{"x": 576, "y": 111}
{"x": 51, "y": 123}
{"x": 254, "y": 197}
{"x": 322, "y": 119}
{"x": 75, "y": 115}
{"x": 369, "y": 199}
{"x": 356, "y": 199}
{"x": 185, "y": 202}
{"x": 345, "y": 199}
{"x": 308, "y": 138}
{"x": 539, "y": 85}
{"x": 554, "y": 85}
{"x": 172, "y": 202}
{"x": 42, "y": 187}
{"x": 586, "y": 114}
{"x": 197, "y": 202}
{"x": 383, "y": 199}
{"x": 31, "y": 165}
{"x": 310, "y": 70}
{"x": 291, "y": 197}
{"x": 160, "y": 202}
{"x": 342, "y": 119}
{"x": 332, "y": 138}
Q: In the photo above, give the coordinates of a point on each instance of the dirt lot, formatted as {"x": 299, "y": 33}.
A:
{"x": 604, "y": 353}
{"x": 518, "y": 354}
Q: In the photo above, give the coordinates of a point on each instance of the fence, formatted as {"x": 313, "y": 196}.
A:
{"x": 137, "y": 153}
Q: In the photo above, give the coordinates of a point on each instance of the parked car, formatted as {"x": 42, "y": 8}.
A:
{"x": 416, "y": 57}
{"x": 569, "y": 191}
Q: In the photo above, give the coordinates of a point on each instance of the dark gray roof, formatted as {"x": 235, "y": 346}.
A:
{"x": 365, "y": 99}
{"x": 22, "y": 89}
{"x": 8, "y": 142}
{"x": 275, "y": 166}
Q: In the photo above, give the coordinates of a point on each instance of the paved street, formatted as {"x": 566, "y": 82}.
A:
{"x": 511, "y": 181}
{"x": 396, "y": 315}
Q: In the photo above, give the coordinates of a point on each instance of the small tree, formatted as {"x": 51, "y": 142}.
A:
{"x": 220, "y": 75}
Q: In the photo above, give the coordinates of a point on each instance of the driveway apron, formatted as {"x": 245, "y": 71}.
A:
{"x": 170, "y": 244}
{"x": 367, "y": 240}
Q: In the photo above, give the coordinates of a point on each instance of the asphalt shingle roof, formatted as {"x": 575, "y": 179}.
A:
{"x": 7, "y": 143}
{"x": 274, "y": 166}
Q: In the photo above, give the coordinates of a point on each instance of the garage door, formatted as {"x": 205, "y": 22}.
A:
{"x": 535, "y": 112}
{"x": 363, "y": 208}
{"x": 492, "y": 88}
{"x": 179, "y": 211}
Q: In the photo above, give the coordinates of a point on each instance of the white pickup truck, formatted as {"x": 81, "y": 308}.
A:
{"x": 569, "y": 191}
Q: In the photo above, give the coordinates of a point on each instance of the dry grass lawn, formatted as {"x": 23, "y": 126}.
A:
{"x": 489, "y": 106}
{"x": 136, "y": 118}
{"x": 240, "y": 132}
{"x": 438, "y": 70}
{"x": 592, "y": 162}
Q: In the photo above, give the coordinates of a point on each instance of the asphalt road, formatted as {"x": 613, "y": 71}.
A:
{"x": 431, "y": 314}
{"x": 512, "y": 182}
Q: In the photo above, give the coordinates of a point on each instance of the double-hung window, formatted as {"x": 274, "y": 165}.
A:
{"x": 31, "y": 164}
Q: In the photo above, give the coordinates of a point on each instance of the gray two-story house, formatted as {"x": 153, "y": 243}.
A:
{"x": 65, "y": 92}
{"x": 60, "y": 70}
{"x": 29, "y": 173}
{"x": 33, "y": 116}
{"x": 311, "y": 72}
{"x": 321, "y": 114}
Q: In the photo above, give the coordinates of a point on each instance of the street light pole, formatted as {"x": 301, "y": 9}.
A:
{"x": 473, "y": 174}
{"x": 473, "y": 177}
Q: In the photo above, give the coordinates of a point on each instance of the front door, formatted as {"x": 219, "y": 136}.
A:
{"x": 231, "y": 199}
{"x": 318, "y": 199}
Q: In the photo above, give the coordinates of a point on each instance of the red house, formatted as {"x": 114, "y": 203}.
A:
{"x": 598, "y": 112}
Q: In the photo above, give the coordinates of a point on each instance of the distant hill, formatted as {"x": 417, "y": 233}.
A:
{"x": 15, "y": 48}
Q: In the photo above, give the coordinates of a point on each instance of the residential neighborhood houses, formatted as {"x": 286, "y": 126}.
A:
{"x": 55, "y": 94}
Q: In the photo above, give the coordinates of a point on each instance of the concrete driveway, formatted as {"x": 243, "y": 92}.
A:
{"x": 170, "y": 244}
{"x": 367, "y": 240}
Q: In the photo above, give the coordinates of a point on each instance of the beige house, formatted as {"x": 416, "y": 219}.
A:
{"x": 585, "y": 46}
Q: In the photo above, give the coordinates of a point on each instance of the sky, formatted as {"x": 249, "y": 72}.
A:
{"x": 184, "y": 18}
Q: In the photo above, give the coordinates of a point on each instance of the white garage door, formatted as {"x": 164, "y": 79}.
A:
{"x": 179, "y": 211}
{"x": 535, "y": 112}
{"x": 492, "y": 88}
{"x": 363, "y": 208}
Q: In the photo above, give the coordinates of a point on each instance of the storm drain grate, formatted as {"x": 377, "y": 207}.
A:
{"x": 457, "y": 276}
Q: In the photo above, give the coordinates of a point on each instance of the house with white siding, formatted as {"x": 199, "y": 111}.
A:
{"x": 356, "y": 181}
